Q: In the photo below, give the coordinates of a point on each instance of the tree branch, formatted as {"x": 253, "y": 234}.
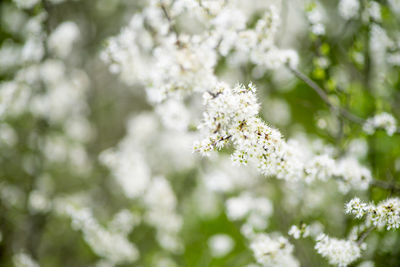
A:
{"x": 324, "y": 96}
{"x": 386, "y": 185}
{"x": 364, "y": 235}
{"x": 172, "y": 27}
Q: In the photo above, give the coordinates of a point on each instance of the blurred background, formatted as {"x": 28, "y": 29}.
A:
{"x": 79, "y": 144}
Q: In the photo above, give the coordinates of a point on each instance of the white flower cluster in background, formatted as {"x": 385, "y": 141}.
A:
{"x": 315, "y": 16}
{"x": 220, "y": 245}
{"x": 272, "y": 251}
{"x": 113, "y": 246}
{"x": 23, "y": 259}
{"x": 349, "y": 9}
{"x": 223, "y": 177}
{"x": 62, "y": 39}
{"x": 339, "y": 252}
{"x": 254, "y": 210}
{"x": 146, "y": 149}
{"x": 180, "y": 64}
{"x": 385, "y": 214}
{"x": 25, "y": 3}
{"x": 231, "y": 117}
{"x": 395, "y": 4}
{"x": 183, "y": 63}
{"x": 351, "y": 174}
{"x": 129, "y": 169}
{"x": 374, "y": 11}
{"x": 135, "y": 167}
{"x": 50, "y": 90}
{"x": 383, "y": 121}
{"x": 161, "y": 203}
{"x": 259, "y": 44}
{"x": 381, "y": 48}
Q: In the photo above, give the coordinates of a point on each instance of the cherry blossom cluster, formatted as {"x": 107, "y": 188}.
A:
{"x": 113, "y": 246}
{"x": 23, "y": 259}
{"x": 254, "y": 210}
{"x": 383, "y": 121}
{"x": 223, "y": 177}
{"x": 273, "y": 250}
{"x": 348, "y": 9}
{"x": 231, "y": 117}
{"x": 184, "y": 63}
{"x": 48, "y": 89}
{"x": 28, "y": 4}
{"x": 315, "y": 16}
{"x": 339, "y": 252}
{"x": 135, "y": 169}
{"x": 385, "y": 214}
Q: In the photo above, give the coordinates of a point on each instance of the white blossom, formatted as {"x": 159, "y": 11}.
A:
{"x": 349, "y": 9}
{"x": 395, "y": 5}
{"x": 374, "y": 10}
{"x": 273, "y": 251}
{"x": 181, "y": 63}
{"x": 238, "y": 208}
{"x": 231, "y": 117}
{"x": 315, "y": 17}
{"x": 129, "y": 169}
{"x": 24, "y": 260}
{"x": 220, "y": 245}
{"x": 63, "y": 37}
{"x": 26, "y": 4}
{"x": 385, "y": 214}
{"x": 160, "y": 202}
{"x": 113, "y": 246}
{"x": 39, "y": 202}
{"x": 225, "y": 177}
{"x": 383, "y": 121}
{"x": 356, "y": 207}
{"x": 124, "y": 221}
{"x": 339, "y": 252}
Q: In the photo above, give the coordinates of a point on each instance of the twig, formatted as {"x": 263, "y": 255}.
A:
{"x": 386, "y": 185}
{"x": 172, "y": 27}
{"x": 339, "y": 110}
{"x": 364, "y": 235}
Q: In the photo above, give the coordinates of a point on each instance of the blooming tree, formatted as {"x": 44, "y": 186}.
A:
{"x": 202, "y": 133}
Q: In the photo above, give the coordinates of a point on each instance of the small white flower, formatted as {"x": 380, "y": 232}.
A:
{"x": 296, "y": 232}
{"x": 220, "y": 245}
{"x": 383, "y": 121}
{"x": 339, "y": 252}
{"x": 63, "y": 37}
{"x": 273, "y": 251}
{"x": 384, "y": 214}
{"x": 24, "y": 260}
